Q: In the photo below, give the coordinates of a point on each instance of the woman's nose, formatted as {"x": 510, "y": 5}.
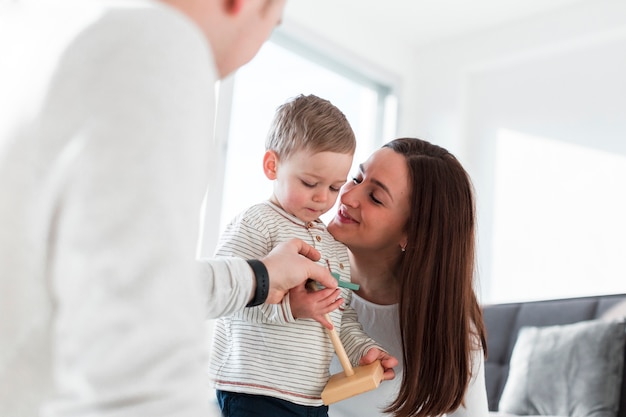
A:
{"x": 349, "y": 196}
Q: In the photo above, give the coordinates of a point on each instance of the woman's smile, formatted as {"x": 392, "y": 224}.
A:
{"x": 343, "y": 216}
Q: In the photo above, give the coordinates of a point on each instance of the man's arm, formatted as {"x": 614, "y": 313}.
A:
{"x": 230, "y": 284}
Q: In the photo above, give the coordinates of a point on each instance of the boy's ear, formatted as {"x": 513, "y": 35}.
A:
{"x": 270, "y": 164}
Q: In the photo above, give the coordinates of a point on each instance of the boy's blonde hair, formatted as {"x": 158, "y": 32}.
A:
{"x": 311, "y": 123}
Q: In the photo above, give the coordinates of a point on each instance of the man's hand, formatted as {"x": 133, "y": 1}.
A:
{"x": 308, "y": 303}
{"x": 290, "y": 264}
{"x": 386, "y": 360}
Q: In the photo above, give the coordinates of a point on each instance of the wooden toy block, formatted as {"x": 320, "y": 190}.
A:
{"x": 341, "y": 386}
{"x": 352, "y": 381}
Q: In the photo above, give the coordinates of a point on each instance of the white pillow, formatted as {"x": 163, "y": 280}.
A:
{"x": 570, "y": 370}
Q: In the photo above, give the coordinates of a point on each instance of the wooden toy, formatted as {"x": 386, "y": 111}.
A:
{"x": 352, "y": 381}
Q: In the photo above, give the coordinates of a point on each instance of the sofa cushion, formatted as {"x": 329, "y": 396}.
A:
{"x": 572, "y": 370}
{"x": 499, "y": 414}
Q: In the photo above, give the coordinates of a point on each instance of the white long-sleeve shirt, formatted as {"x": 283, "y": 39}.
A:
{"x": 106, "y": 151}
{"x": 381, "y": 323}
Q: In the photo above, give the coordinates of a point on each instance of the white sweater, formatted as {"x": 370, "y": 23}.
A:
{"x": 381, "y": 323}
{"x": 106, "y": 120}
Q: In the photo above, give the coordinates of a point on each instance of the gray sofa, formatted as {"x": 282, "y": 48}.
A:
{"x": 504, "y": 321}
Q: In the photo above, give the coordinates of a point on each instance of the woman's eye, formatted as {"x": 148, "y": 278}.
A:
{"x": 374, "y": 199}
{"x": 356, "y": 180}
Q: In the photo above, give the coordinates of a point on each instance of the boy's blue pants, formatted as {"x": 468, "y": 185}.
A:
{"x": 234, "y": 404}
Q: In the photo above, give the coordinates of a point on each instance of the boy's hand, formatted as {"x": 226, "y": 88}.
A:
{"x": 308, "y": 303}
{"x": 386, "y": 360}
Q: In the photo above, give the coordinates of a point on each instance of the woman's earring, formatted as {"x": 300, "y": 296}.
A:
{"x": 403, "y": 248}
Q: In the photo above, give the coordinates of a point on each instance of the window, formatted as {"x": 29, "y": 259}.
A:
{"x": 283, "y": 69}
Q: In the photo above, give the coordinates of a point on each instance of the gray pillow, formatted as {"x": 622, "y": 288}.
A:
{"x": 570, "y": 370}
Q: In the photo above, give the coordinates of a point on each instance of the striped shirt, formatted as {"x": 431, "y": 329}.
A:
{"x": 264, "y": 350}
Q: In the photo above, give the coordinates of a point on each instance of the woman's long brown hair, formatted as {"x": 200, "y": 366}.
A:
{"x": 440, "y": 318}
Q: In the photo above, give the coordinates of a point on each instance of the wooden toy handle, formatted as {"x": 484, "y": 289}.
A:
{"x": 339, "y": 349}
{"x": 334, "y": 337}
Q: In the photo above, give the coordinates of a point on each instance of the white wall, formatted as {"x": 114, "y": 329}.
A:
{"x": 560, "y": 75}
{"x": 443, "y": 70}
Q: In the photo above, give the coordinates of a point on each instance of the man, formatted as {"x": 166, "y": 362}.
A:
{"x": 106, "y": 121}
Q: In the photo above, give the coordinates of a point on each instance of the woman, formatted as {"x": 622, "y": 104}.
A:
{"x": 408, "y": 220}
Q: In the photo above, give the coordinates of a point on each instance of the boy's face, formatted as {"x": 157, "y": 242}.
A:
{"x": 307, "y": 183}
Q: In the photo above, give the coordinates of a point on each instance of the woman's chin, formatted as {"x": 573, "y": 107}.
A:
{"x": 334, "y": 224}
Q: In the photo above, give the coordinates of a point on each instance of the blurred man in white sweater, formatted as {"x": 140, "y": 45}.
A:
{"x": 106, "y": 151}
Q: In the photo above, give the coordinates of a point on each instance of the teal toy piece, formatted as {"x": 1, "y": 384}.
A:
{"x": 345, "y": 284}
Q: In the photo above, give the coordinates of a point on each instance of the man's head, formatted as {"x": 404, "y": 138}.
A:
{"x": 235, "y": 29}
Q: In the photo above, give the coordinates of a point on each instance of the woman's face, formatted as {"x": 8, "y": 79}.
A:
{"x": 374, "y": 206}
